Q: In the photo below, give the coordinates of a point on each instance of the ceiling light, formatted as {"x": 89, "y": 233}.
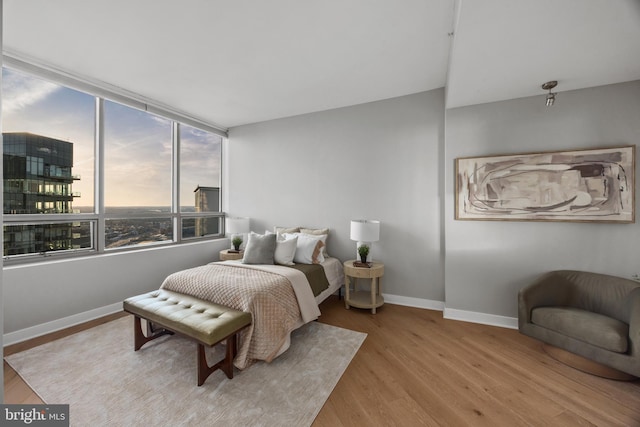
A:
{"x": 551, "y": 97}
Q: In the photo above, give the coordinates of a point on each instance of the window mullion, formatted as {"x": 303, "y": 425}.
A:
{"x": 175, "y": 180}
{"x": 99, "y": 175}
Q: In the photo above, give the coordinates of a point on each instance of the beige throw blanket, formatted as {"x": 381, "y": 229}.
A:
{"x": 274, "y": 295}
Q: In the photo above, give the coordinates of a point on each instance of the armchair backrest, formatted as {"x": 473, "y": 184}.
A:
{"x": 598, "y": 293}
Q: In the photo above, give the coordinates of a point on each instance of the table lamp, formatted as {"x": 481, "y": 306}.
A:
{"x": 365, "y": 231}
{"x": 237, "y": 227}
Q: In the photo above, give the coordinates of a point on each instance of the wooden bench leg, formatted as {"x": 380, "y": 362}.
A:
{"x": 231, "y": 351}
{"x": 139, "y": 339}
{"x": 204, "y": 370}
{"x": 226, "y": 364}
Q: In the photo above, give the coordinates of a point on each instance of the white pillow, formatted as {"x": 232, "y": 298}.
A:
{"x": 286, "y": 251}
{"x": 308, "y": 248}
{"x": 320, "y": 232}
{"x": 281, "y": 234}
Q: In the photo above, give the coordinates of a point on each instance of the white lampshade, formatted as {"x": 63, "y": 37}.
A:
{"x": 237, "y": 225}
{"x": 365, "y": 230}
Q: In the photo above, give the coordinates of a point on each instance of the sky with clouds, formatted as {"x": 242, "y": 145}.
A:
{"x": 137, "y": 144}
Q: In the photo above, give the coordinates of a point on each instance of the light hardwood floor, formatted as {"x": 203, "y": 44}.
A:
{"x": 415, "y": 368}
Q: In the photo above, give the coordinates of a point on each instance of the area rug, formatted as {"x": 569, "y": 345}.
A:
{"x": 106, "y": 383}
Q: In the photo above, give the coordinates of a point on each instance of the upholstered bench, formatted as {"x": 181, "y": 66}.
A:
{"x": 204, "y": 322}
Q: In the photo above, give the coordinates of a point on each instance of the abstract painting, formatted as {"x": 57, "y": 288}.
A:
{"x": 580, "y": 185}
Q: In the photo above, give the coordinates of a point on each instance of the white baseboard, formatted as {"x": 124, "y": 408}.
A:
{"x": 56, "y": 325}
{"x": 482, "y": 318}
{"x": 453, "y": 314}
{"x": 414, "y": 302}
{"x": 448, "y": 313}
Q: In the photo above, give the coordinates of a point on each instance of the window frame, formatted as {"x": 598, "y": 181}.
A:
{"x": 98, "y": 218}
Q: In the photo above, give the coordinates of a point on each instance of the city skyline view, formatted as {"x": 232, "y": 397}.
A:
{"x": 138, "y": 146}
{"x": 37, "y": 180}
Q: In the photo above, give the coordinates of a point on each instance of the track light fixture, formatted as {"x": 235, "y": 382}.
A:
{"x": 551, "y": 97}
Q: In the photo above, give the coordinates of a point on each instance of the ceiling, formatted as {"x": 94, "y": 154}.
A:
{"x": 230, "y": 63}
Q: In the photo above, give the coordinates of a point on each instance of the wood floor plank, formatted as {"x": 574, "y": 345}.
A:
{"x": 558, "y": 379}
{"x": 16, "y": 390}
{"x": 498, "y": 370}
{"x": 416, "y": 368}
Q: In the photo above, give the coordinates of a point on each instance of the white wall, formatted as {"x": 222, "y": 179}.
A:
{"x": 384, "y": 160}
{"x": 374, "y": 161}
{"x": 38, "y": 296}
{"x": 488, "y": 262}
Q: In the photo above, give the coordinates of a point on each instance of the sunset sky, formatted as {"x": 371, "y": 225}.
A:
{"x": 137, "y": 144}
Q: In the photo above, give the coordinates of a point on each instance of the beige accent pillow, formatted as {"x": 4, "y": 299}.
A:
{"x": 283, "y": 230}
{"x": 318, "y": 232}
{"x": 317, "y": 256}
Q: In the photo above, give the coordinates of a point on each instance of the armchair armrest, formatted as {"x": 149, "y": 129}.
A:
{"x": 634, "y": 323}
{"x": 551, "y": 289}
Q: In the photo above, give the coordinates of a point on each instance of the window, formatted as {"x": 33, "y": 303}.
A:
{"x": 138, "y": 152}
{"x": 43, "y": 237}
{"x": 49, "y": 141}
{"x": 200, "y": 154}
{"x": 48, "y": 134}
{"x": 48, "y": 145}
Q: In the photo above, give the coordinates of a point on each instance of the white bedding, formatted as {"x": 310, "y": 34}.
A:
{"x": 335, "y": 275}
{"x": 334, "y": 271}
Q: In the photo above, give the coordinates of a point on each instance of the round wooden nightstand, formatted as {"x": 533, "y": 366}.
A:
{"x": 225, "y": 255}
{"x": 363, "y": 299}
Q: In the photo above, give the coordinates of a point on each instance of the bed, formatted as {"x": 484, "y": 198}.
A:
{"x": 280, "y": 298}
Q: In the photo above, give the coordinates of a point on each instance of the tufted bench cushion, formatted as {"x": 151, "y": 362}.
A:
{"x": 203, "y": 321}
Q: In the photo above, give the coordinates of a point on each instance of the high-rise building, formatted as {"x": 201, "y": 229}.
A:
{"x": 207, "y": 200}
{"x": 37, "y": 180}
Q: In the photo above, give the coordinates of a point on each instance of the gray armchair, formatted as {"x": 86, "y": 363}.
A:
{"x": 592, "y": 315}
